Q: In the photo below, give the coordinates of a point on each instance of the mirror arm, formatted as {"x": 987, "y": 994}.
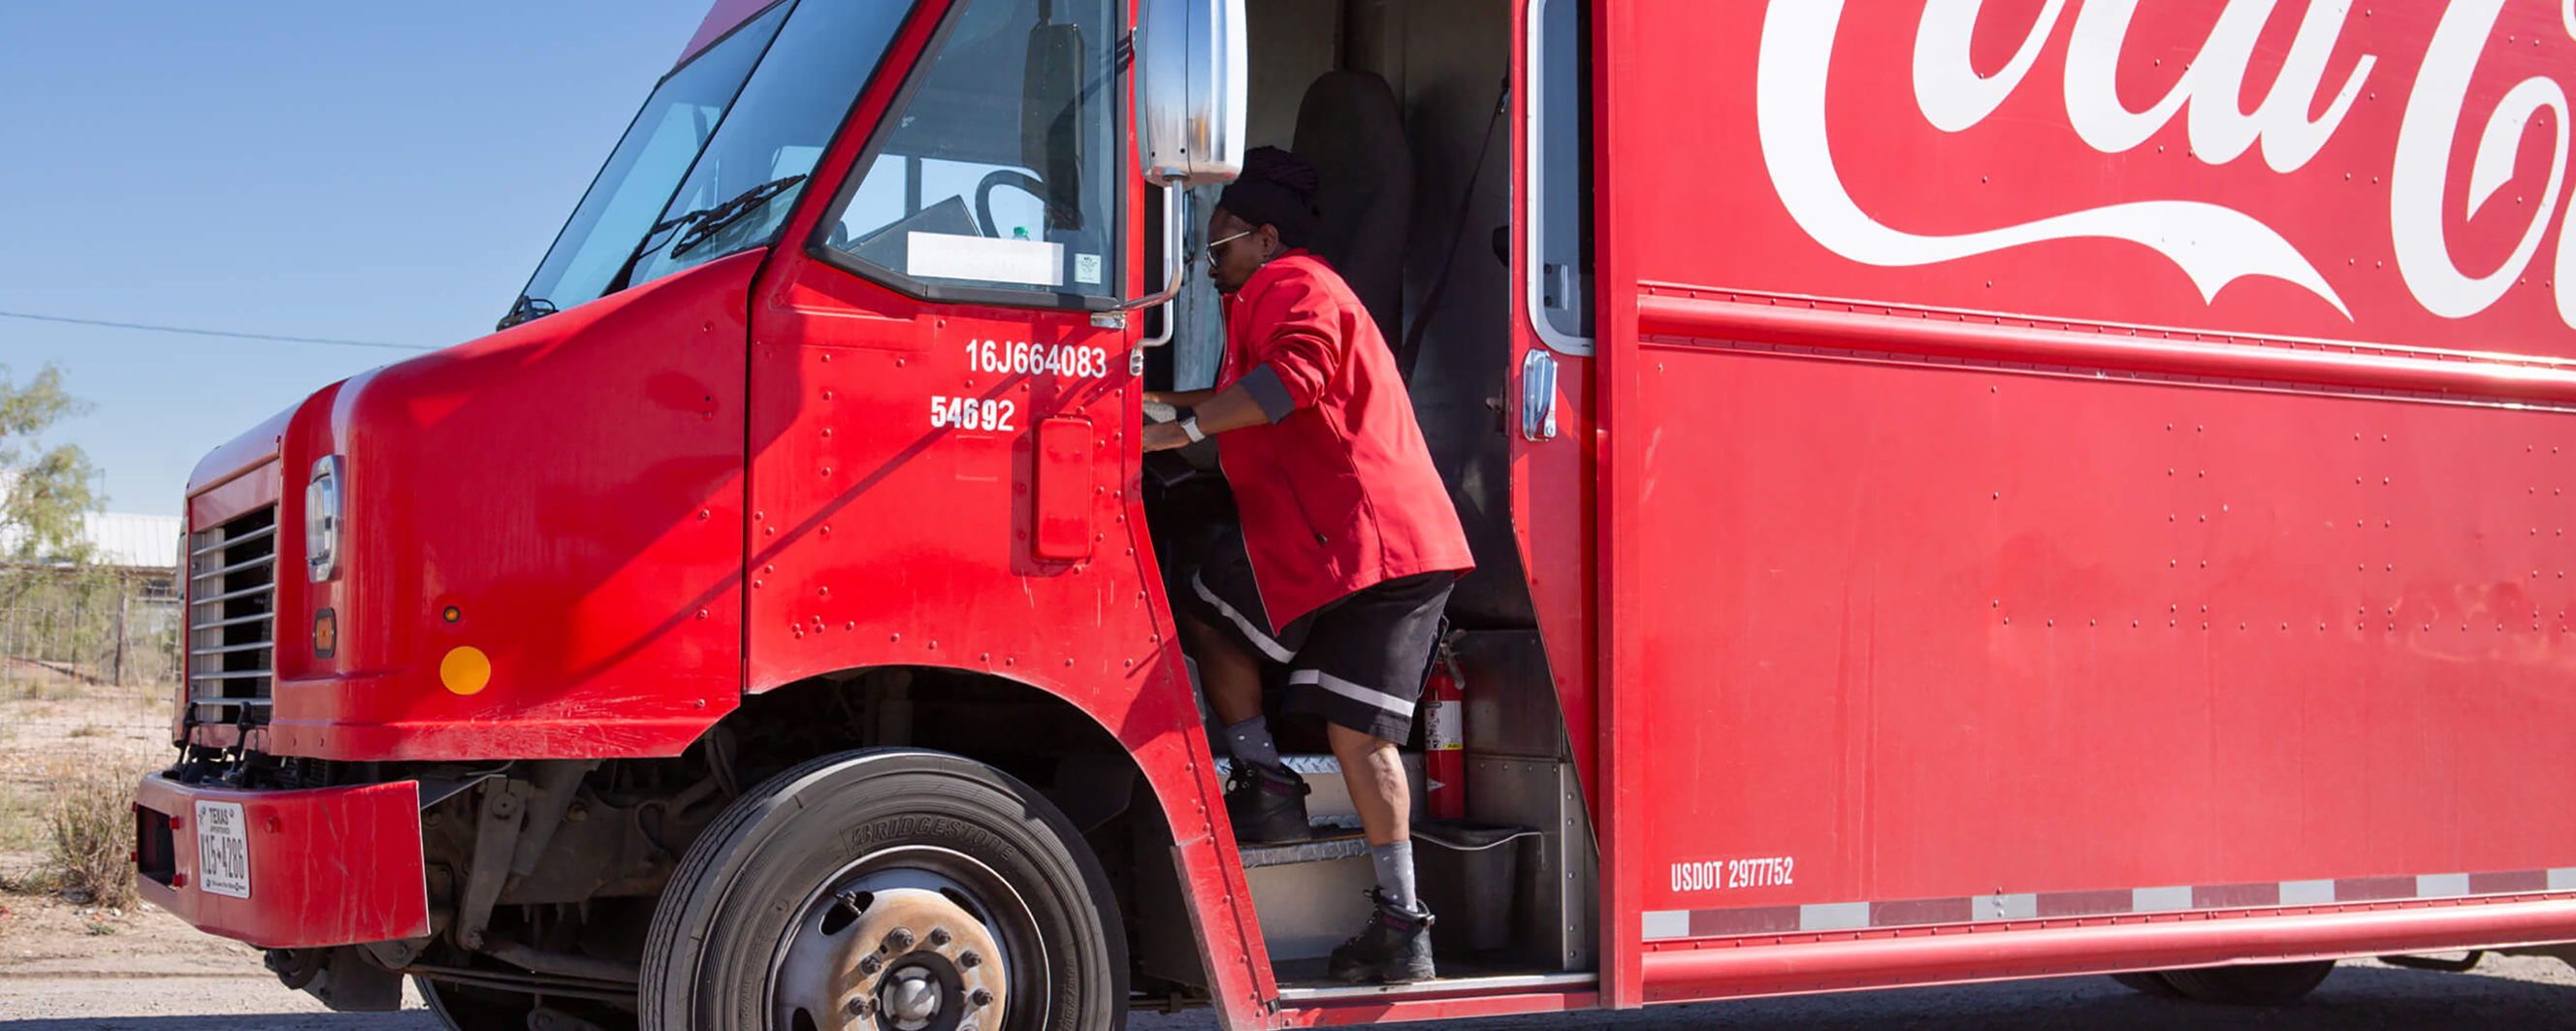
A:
{"x": 1175, "y": 216}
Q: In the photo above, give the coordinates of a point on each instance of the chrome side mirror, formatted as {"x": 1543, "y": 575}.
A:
{"x": 1190, "y": 95}
{"x": 1191, "y": 90}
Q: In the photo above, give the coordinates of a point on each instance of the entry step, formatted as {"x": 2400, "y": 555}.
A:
{"x": 1311, "y": 894}
{"x": 1304, "y": 765}
{"x": 1331, "y": 841}
{"x": 1302, "y": 982}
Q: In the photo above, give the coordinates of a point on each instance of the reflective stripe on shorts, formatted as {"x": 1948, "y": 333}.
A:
{"x": 1258, "y": 635}
{"x": 1372, "y": 698}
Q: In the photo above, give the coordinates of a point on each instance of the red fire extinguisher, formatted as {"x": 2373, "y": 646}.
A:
{"x": 1444, "y": 746}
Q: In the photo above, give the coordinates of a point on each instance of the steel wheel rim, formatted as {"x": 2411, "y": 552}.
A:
{"x": 806, "y": 958}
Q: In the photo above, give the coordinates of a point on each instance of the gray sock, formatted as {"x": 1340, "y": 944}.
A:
{"x": 1250, "y": 742}
{"x": 1395, "y": 871}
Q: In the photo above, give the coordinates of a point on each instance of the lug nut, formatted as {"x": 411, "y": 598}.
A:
{"x": 938, "y": 937}
{"x": 898, "y": 940}
{"x": 982, "y": 997}
{"x": 858, "y": 1006}
{"x": 868, "y": 966}
{"x": 969, "y": 959}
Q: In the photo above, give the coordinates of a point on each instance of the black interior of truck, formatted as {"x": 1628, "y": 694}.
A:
{"x": 1395, "y": 105}
{"x": 1396, "y": 165}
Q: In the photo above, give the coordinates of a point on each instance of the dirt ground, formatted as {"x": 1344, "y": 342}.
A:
{"x": 48, "y": 935}
{"x": 51, "y": 721}
{"x": 49, "y": 718}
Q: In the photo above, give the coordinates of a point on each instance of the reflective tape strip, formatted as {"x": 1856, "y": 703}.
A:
{"x": 1370, "y": 697}
{"x": 2160, "y": 900}
{"x": 2518, "y": 882}
{"x": 2023, "y": 906}
{"x": 1260, "y": 638}
{"x": 2307, "y": 893}
{"x": 1922, "y": 911}
{"x": 2237, "y": 896}
{"x": 1837, "y": 916}
{"x": 1674, "y": 924}
{"x": 2374, "y": 889}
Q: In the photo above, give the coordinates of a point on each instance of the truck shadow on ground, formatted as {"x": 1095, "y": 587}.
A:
{"x": 408, "y": 1020}
{"x": 2357, "y": 998}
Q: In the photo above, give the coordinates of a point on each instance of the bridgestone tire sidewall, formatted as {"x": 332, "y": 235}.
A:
{"x": 707, "y": 962}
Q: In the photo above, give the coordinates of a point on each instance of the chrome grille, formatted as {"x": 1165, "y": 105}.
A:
{"x": 232, "y": 607}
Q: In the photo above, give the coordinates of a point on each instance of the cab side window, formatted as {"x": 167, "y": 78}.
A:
{"x": 997, "y": 179}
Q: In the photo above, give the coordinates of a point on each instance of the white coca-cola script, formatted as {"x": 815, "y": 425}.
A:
{"x": 2211, "y": 243}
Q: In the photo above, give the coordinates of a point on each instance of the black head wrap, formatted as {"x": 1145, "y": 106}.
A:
{"x": 1276, "y": 189}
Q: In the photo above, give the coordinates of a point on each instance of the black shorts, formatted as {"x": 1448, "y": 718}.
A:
{"x": 1358, "y": 662}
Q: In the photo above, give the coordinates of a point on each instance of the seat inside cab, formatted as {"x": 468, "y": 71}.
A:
{"x": 1399, "y": 105}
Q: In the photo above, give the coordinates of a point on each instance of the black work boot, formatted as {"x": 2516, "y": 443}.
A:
{"x": 1395, "y": 947}
{"x": 1266, "y": 804}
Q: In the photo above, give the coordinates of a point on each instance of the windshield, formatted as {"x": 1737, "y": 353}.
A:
{"x": 719, "y": 154}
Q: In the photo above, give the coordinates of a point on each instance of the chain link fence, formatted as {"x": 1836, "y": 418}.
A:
{"x": 97, "y": 646}
{"x": 91, "y": 660}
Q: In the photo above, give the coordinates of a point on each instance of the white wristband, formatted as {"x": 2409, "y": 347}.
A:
{"x": 1191, "y": 427}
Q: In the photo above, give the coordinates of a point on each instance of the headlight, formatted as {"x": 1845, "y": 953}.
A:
{"x": 322, "y": 520}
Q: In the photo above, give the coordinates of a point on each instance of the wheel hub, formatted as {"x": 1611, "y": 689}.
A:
{"x": 915, "y": 960}
{"x": 910, "y": 999}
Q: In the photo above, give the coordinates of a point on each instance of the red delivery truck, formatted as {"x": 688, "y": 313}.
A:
{"x": 1961, "y": 490}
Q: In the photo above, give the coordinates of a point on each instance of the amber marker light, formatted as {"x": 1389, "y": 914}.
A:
{"x": 326, "y": 634}
{"x": 465, "y": 670}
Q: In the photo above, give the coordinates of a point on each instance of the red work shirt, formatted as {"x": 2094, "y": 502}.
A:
{"x": 1338, "y": 492}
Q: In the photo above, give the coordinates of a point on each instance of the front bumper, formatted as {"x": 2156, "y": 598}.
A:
{"x": 326, "y": 866}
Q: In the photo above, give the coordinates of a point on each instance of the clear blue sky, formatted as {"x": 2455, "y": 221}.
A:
{"x": 384, "y": 170}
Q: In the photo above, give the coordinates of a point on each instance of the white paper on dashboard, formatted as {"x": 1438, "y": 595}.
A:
{"x": 949, "y": 256}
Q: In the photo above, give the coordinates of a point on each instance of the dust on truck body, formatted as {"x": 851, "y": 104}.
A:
{"x": 1967, "y": 492}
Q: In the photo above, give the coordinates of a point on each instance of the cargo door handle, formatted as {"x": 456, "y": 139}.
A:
{"x": 1538, "y": 396}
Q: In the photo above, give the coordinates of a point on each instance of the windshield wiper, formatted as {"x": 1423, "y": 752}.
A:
{"x": 716, "y": 218}
{"x": 707, "y": 221}
{"x": 526, "y": 309}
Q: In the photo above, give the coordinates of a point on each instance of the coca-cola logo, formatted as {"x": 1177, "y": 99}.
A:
{"x": 2310, "y": 99}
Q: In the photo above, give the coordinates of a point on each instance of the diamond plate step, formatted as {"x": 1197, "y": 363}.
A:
{"x": 1330, "y": 843}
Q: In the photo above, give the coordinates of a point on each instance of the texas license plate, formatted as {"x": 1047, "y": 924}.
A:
{"x": 223, "y": 850}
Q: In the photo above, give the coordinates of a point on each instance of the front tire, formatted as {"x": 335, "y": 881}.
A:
{"x": 762, "y": 926}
